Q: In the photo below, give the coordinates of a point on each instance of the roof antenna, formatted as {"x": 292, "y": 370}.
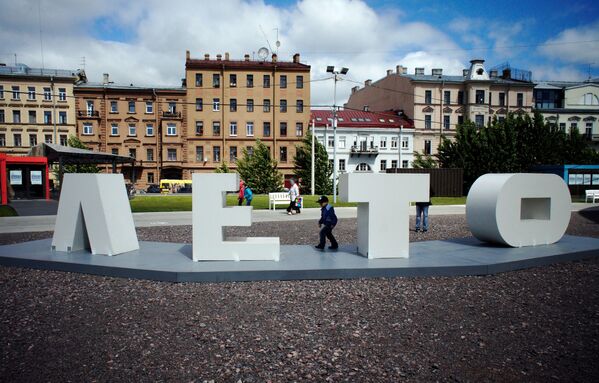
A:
{"x": 278, "y": 43}
{"x": 265, "y": 37}
{"x": 39, "y": 14}
{"x": 82, "y": 63}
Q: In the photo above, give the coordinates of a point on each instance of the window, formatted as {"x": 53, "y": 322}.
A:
{"x": 383, "y": 165}
{"x": 233, "y": 80}
{"x": 479, "y": 97}
{"x": 250, "y": 150}
{"x": 150, "y": 177}
{"x": 31, "y": 93}
{"x": 216, "y": 154}
{"x": 132, "y": 130}
{"x": 250, "y": 104}
{"x": 427, "y": 147}
{"x": 266, "y": 129}
{"x": 588, "y": 130}
{"x": 490, "y": 98}
{"x": 299, "y": 106}
{"x": 404, "y": 163}
{"x": 149, "y": 107}
{"x": 331, "y": 141}
{"x": 63, "y": 140}
{"x": 573, "y": 125}
{"x": 115, "y": 151}
{"x": 150, "y": 154}
{"x": 299, "y": 82}
{"x": 233, "y": 128}
{"x": 501, "y": 119}
{"x": 283, "y": 154}
{"x": 283, "y": 106}
{"x": 131, "y": 106}
{"x": 362, "y": 167}
{"x": 519, "y": 99}
{"x": 266, "y": 81}
{"x": 233, "y": 154}
{"x": 479, "y": 120}
{"x": 62, "y": 94}
{"x": 383, "y": 143}
{"x": 47, "y": 117}
{"x": 299, "y": 129}
{"x": 446, "y": 124}
{"x": 132, "y": 152}
{"x": 47, "y": 94}
{"x": 2, "y": 97}
{"x": 341, "y": 165}
{"x": 48, "y": 138}
{"x": 460, "y": 97}
{"x": 16, "y": 94}
{"x": 405, "y": 143}
{"x": 62, "y": 118}
{"x": 171, "y": 129}
{"x": 16, "y": 116}
{"x": 233, "y": 105}
{"x": 393, "y": 142}
{"x": 266, "y": 105}
{"x": 114, "y": 108}
{"x": 394, "y": 164}
{"x": 32, "y": 117}
{"x": 216, "y": 80}
{"x": 199, "y": 104}
{"x": 215, "y": 104}
{"x": 32, "y": 139}
{"x": 199, "y": 80}
{"x": 87, "y": 129}
{"x": 2, "y": 116}
{"x": 114, "y": 129}
{"x": 149, "y": 129}
{"x": 428, "y": 124}
{"x": 562, "y": 126}
{"x": 172, "y": 107}
{"x": 199, "y": 128}
{"x": 249, "y": 128}
{"x": 283, "y": 129}
{"x": 447, "y": 97}
{"x": 460, "y": 120}
{"x": 501, "y": 99}
{"x": 171, "y": 154}
{"x": 250, "y": 80}
{"x": 283, "y": 81}
{"x": 17, "y": 140}
{"x": 428, "y": 97}
{"x": 2, "y": 139}
{"x": 199, "y": 154}
{"x": 216, "y": 128}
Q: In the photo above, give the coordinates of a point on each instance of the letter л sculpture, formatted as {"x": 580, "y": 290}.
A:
{"x": 518, "y": 209}
{"x": 383, "y": 210}
{"x": 211, "y": 215}
{"x": 94, "y": 213}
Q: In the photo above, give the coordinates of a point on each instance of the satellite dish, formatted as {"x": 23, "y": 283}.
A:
{"x": 263, "y": 53}
{"x": 278, "y": 43}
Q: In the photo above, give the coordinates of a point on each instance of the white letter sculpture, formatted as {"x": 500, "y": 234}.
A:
{"x": 94, "y": 213}
{"x": 383, "y": 210}
{"x": 518, "y": 209}
{"x": 211, "y": 215}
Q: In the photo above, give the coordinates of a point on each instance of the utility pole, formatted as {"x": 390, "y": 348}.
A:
{"x": 312, "y": 177}
{"x": 331, "y": 69}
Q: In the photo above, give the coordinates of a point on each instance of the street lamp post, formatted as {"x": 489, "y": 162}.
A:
{"x": 336, "y": 73}
{"x": 312, "y": 172}
{"x": 399, "y": 147}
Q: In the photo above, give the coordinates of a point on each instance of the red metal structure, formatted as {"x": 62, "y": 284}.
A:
{"x": 26, "y": 165}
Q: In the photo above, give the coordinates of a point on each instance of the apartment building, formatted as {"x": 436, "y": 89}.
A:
{"x": 232, "y": 103}
{"x": 146, "y": 123}
{"x": 36, "y": 105}
{"x": 437, "y": 103}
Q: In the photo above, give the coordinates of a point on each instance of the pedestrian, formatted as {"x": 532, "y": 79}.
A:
{"x": 327, "y": 222}
{"x": 248, "y": 194}
{"x": 422, "y": 214}
{"x": 293, "y": 196}
{"x": 241, "y": 194}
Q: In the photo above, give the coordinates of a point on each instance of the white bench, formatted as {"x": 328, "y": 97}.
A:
{"x": 591, "y": 194}
{"x": 278, "y": 198}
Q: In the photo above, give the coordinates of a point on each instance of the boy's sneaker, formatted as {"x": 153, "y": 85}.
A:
{"x": 417, "y": 230}
{"x": 319, "y": 247}
{"x": 424, "y": 230}
{"x": 333, "y": 247}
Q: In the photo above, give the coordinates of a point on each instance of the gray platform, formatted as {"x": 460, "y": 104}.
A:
{"x": 172, "y": 262}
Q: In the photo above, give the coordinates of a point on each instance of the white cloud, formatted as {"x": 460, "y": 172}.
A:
{"x": 560, "y": 47}
{"x": 545, "y": 72}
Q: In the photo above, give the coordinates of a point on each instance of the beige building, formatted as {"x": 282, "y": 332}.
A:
{"x": 36, "y": 105}
{"x": 145, "y": 123}
{"x": 232, "y": 103}
{"x": 437, "y": 103}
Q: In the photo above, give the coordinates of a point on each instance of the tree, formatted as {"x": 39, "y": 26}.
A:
{"x": 75, "y": 142}
{"x": 223, "y": 168}
{"x": 259, "y": 170}
{"x": 303, "y": 167}
{"x": 424, "y": 161}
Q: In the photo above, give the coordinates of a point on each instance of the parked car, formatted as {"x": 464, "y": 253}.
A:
{"x": 185, "y": 189}
{"x": 153, "y": 189}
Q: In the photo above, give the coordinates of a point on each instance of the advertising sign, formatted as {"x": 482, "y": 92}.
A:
{"x": 16, "y": 177}
{"x": 36, "y": 177}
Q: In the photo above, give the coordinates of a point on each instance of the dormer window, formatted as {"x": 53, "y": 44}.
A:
{"x": 480, "y": 71}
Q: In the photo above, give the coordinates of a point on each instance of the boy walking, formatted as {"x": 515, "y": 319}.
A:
{"x": 327, "y": 222}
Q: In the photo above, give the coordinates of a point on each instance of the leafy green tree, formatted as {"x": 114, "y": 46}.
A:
{"x": 259, "y": 170}
{"x": 424, "y": 161}
{"x": 322, "y": 169}
{"x": 223, "y": 168}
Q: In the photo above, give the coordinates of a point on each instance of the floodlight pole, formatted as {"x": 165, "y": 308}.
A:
{"x": 312, "y": 162}
{"x": 399, "y": 146}
{"x": 335, "y": 140}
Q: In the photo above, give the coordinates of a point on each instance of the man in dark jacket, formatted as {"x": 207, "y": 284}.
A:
{"x": 328, "y": 221}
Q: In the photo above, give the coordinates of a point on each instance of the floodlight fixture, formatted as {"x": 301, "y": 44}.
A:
{"x": 344, "y": 70}
{"x": 330, "y": 69}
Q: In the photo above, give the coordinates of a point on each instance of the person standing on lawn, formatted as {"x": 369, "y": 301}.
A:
{"x": 241, "y": 194}
{"x": 327, "y": 222}
{"x": 248, "y": 194}
{"x": 293, "y": 196}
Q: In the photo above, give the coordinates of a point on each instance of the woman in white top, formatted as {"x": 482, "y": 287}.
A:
{"x": 293, "y": 196}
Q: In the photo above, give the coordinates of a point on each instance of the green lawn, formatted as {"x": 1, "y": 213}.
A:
{"x": 183, "y": 203}
{"x": 7, "y": 211}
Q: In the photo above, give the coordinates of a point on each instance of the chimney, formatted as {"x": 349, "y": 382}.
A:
{"x": 507, "y": 74}
{"x": 274, "y": 57}
{"x": 437, "y": 72}
{"x": 389, "y": 71}
{"x": 465, "y": 72}
{"x": 493, "y": 73}
{"x": 400, "y": 69}
{"x": 187, "y": 54}
{"x": 219, "y": 57}
{"x": 207, "y": 56}
{"x": 367, "y": 82}
{"x": 106, "y": 79}
{"x": 419, "y": 71}
{"x": 365, "y": 108}
{"x": 246, "y": 57}
{"x": 296, "y": 58}
{"x": 227, "y": 56}
{"x": 183, "y": 82}
{"x": 354, "y": 89}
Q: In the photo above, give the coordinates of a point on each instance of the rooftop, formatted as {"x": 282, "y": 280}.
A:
{"x": 24, "y": 70}
{"x": 100, "y": 85}
{"x": 360, "y": 119}
{"x": 245, "y": 64}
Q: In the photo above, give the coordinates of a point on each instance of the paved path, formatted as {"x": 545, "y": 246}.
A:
{"x": 46, "y": 222}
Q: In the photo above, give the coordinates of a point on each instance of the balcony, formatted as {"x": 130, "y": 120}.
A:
{"x": 171, "y": 115}
{"x": 364, "y": 150}
{"x": 88, "y": 114}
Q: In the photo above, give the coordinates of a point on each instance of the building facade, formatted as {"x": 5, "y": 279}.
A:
{"x": 232, "y": 103}
{"x": 36, "y": 105}
{"x": 366, "y": 141}
{"x": 145, "y": 123}
{"x": 437, "y": 103}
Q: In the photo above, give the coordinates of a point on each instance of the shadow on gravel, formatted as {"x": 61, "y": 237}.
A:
{"x": 591, "y": 213}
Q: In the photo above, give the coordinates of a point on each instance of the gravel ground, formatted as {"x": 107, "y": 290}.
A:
{"x": 537, "y": 325}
